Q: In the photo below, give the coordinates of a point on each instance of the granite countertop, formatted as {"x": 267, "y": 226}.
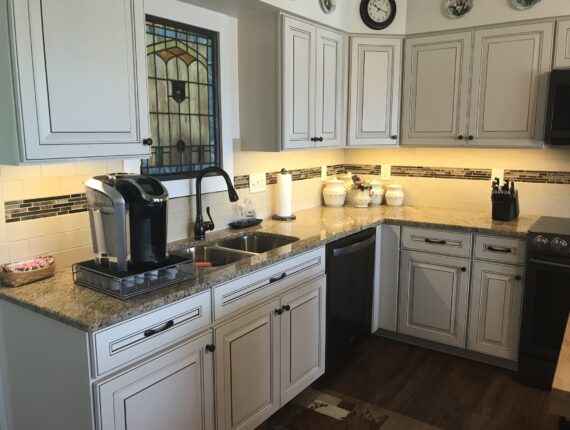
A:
{"x": 89, "y": 310}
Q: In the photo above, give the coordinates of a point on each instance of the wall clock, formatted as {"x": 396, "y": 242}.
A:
{"x": 328, "y": 6}
{"x": 378, "y": 14}
{"x": 524, "y": 4}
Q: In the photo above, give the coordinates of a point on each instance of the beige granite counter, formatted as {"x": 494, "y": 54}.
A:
{"x": 89, "y": 310}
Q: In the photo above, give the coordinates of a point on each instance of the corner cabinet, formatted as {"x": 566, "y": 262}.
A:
{"x": 79, "y": 88}
{"x": 375, "y": 74}
{"x": 490, "y": 87}
{"x": 299, "y": 68}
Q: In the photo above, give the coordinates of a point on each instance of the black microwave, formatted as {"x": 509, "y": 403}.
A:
{"x": 557, "y": 130}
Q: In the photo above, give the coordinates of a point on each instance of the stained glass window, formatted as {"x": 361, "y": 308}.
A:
{"x": 182, "y": 63}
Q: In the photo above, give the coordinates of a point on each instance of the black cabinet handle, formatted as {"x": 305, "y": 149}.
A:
{"x": 278, "y": 311}
{"x": 518, "y": 278}
{"x": 147, "y": 142}
{"x": 464, "y": 269}
{"x": 460, "y": 137}
{"x": 277, "y": 278}
{"x": 313, "y": 139}
{"x": 497, "y": 249}
{"x": 435, "y": 242}
{"x": 471, "y": 137}
{"x": 151, "y": 332}
{"x": 319, "y": 139}
{"x": 394, "y": 137}
{"x": 286, "y": 308}
{"x": 210, "y": 348}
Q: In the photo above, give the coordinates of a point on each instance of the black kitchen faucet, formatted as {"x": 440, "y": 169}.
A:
{"x": 201, "y": 226}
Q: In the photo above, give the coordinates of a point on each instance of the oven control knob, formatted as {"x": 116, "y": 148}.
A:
{"x": 540, "y": 243}
{"x": 558, "y": 244}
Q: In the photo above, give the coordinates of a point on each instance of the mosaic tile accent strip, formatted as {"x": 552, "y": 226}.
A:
{"x": 442, "y": 172}
{"x": 23, "y": 210}
{"x": 363, "y": 169}
{"x": 538, "y": 177}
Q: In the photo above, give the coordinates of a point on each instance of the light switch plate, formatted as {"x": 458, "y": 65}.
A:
{"x": 257, "y": 183}
{"x": 386, "y": 172}
{"x": 498, "y": 173}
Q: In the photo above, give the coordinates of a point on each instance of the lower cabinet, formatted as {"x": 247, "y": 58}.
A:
{"x": 173, "y": 391}
{"x": 495, "y": 309}
{"x": 434, "y": 294}
{"x": 267, "y": 356}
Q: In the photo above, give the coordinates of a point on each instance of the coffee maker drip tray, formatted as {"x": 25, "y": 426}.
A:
{"x": 132, "y": 283}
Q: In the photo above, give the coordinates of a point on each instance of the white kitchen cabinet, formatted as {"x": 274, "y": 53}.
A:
{"x": 509, "y": 85}
{"x": 434, "y": 294}
{"x": 436, "y": 89}
{"x": 174, "y": 391}
{"x": 385, "y": 313}
{"x": 495, "y": 309}
{"x": 80, "y": 89}
{"x": 562, "y": 44}
{"x": 299, "y": 69}
{"x": 269, "y": 355}
{"x": 375, "y": 74}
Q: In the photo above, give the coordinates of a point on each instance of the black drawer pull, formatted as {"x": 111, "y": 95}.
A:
{"x": 277, "y": 278}
{"x": 152, "y": 332}
{"x": 286, "y": 308}
{"x": 278, "y": 311}
{"x": 498, "y": 249}
{"x": 518, "y": 278}
{"x": 464, "y": 269}
{"x": 435, "y": 242}
{"x": 210, "y": 348}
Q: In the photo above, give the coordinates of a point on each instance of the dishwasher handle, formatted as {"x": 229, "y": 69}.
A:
{"x": 355, "y": 247}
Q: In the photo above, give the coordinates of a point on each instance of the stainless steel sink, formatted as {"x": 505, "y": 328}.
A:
{"x": 258, "y": 243}
{"x": 212, "y": 256}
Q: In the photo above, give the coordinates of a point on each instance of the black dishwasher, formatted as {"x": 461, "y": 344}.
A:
{"x": 350, "y": 285}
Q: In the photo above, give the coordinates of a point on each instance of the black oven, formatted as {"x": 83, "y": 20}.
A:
{"x": 557, "y": 129}
{"x": 546, "y": 305}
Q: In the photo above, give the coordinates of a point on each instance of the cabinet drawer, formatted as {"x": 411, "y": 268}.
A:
{"x": 437, "y": 241}
{"x": 500, "y": 249}
{"x": 245, "y": 291}
{"x": 128, "y": 341}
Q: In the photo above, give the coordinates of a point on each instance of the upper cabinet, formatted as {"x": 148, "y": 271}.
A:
{"x": 292, "y": 84}
{"x": 375, "y": 71}
{"x": 562, "y": 49}
{"x": 501, "y": 72}
{"x": 79, "y": 87}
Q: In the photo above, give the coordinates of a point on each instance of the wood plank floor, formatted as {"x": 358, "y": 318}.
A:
{"x": 437, "y": 389}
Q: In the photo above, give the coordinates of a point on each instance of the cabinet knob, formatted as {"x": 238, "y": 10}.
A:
{"x": 286, "y": 308}
{"x": 148, "y": 142}
{"x": 319, "y": 139}
{"x": 518, "y": 278}
{"x": 394, "y": 137}
{"x": 210, "y": 348}
{"x": 313, "y": 139}
{"x": 460, "y": 137}
{"x": 471, "y": 137}
{"x": 464, "y": 269}
{"x": 278, "y": 311}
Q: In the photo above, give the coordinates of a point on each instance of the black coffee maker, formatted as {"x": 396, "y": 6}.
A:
{"x": 128, "y": 216}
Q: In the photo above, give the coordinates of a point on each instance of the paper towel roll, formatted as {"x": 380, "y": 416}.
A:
{"x": 284, "y": 187}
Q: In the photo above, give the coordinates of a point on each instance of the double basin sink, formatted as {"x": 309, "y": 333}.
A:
{"x": 234, "y": 249}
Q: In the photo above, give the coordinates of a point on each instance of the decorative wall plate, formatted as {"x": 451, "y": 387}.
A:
{"x": 328, "y": 6}
{"x": 457, "y": 8}
{"x": 524, "y": 4}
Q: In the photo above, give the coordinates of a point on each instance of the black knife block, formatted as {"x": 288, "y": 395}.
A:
{"x": 505, "y": 207}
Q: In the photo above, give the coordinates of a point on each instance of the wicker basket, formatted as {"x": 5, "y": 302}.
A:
{"x": 17, "y": 279}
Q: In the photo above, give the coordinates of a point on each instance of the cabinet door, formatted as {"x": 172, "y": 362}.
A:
{"x": 562, "y": 49}
{"x": 375, "y": 69}
{"x": 436, "y": 89}
{"x": 298, "y": 91}
{"x": 247, "y": 368}
{"x": 510, "y": 85}
{"x": 494, "y": 313}
{"x": 174, "y": 391}
{"x": 82, "y": 85}
{"x": 302, "y": 338}
{"x": 434, "y": 291}
{"x": 329, "y": 85}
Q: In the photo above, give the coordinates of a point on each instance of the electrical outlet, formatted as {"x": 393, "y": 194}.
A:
{"x": 498, "y": 173}
{"x": 386, "y": 171}
{"x": 257, "y": 183}
{"x": 323, "y": 172}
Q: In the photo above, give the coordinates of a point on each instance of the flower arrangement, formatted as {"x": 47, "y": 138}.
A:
{"x": 359, "y": 184}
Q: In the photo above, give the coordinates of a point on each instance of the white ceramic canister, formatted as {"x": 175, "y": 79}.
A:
{"x": 378, "y": 192}
{"x": 362, "y": 198}
{"x": 334, "y": 193}
{"x": 395, "y": 195}
{"x": 347, "y": 179}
